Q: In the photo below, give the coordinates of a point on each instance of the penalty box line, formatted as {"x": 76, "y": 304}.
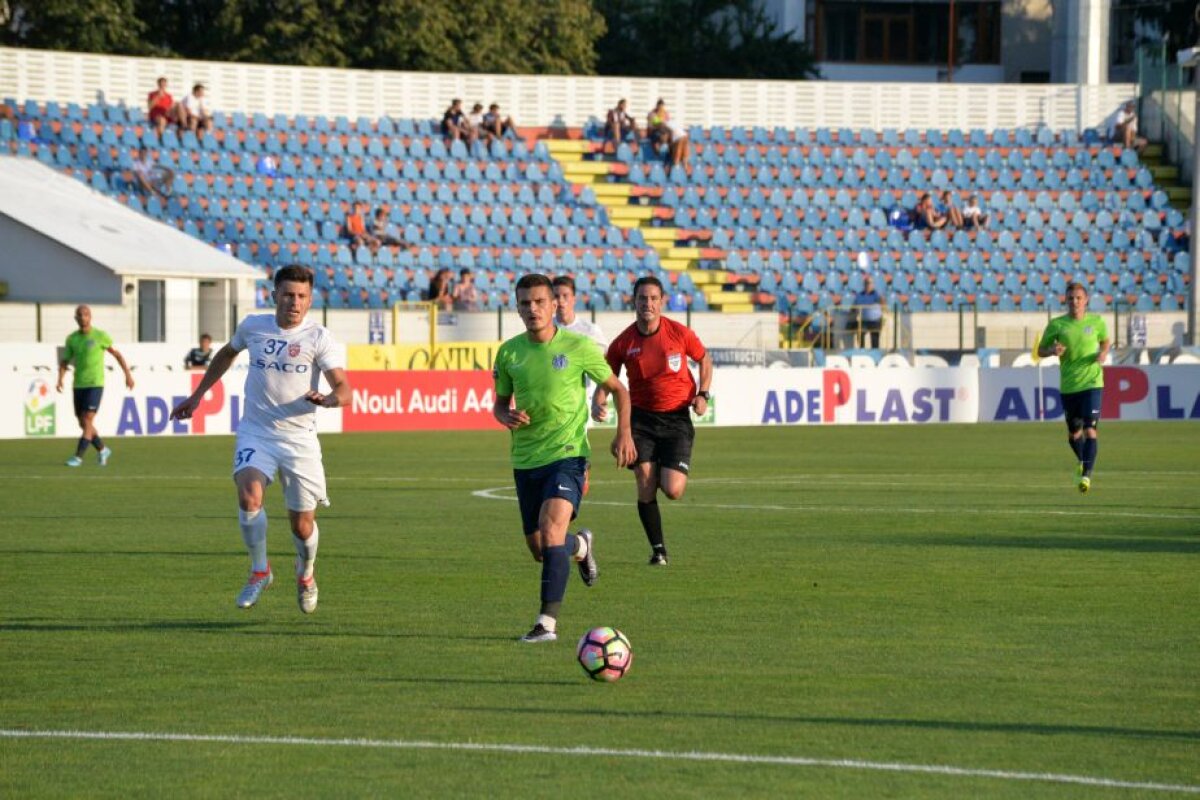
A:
{"x": 604, "y": 752}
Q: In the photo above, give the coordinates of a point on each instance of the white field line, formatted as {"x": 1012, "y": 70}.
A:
{"x": 491, "y": 494}
{"x": 606, "y": 752}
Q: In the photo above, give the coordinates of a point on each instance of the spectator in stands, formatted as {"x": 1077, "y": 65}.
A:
{"x": 354, "y": 229}
{"x": 161, "y": 107}
{"x": 455, "y": 125}
{"x": 869, "y": 306}
{"x": 194, "y": 112}
{"x": 656, "y": 122}
{"x": 972, "y": 214}
{"x": 148, "y": 177}
{"x": 466, "y": 293}
{"x": 497, "y": 126}
{"x": 926, "y": 216}
{"x": 439, "y": 290}
{"x": 385, "y": 232}
{"x": 198, "y": 357}
{"x": 619, "y": 125}
{"x": 475, "y": 123}
{"x": 1124, "y": 131}
{"x": 950, "y": 211}
{"x": 679, "y": 147}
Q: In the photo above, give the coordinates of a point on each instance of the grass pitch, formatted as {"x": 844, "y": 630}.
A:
{"x": 935, "y": 597}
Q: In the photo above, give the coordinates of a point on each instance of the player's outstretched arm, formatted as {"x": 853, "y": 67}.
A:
{"x": 219, "y": 365}
{"x": 124, "y": 367}
{"x": 1102, "y": 353}
{"x": 339, "y": 394}
{"x": 623, "y": 449}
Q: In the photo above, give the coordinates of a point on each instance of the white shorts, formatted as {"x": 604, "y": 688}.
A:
{"x": 298, "y": 462}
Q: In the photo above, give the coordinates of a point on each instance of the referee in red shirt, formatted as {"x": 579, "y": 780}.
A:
{"x": 654, "y": 351}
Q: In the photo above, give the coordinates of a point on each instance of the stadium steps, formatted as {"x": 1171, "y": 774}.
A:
{"x": 1166, "y": 176}
{"x": 579, "y": 160}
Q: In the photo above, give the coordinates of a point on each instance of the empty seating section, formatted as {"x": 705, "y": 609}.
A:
{"x": 797, "y": 208}
{"x": 799, "y": 215}
{"x": 500, "y": 210}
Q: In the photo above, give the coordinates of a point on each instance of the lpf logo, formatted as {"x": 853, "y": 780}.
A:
{"x": 39, "y": 409}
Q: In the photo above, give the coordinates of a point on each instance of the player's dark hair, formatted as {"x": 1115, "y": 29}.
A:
{"x": 565, "y": 280}
{"x": 294, "y": 273}
{"x": 648, "y": 280}
{"x": 1073, "y": 285}
{"x": 533, "y": 280}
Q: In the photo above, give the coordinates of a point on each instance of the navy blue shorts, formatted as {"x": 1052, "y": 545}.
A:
{"x": 1082, "y": 409}
{"x": 557, "y": 479}
{"x": 87, "y": 399}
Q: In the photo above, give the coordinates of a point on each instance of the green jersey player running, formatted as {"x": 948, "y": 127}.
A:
{"x": 1080, "y": 340}
{"x": 543, "y": 370}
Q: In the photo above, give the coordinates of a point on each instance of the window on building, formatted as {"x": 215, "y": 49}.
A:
{"x": 907, "y": 32}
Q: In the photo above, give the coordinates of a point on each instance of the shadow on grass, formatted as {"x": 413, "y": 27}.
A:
{"x": 1052, "y": 542}
{"x": 480, "y": 681}
{"x": 1036, "y": 729}
{"x": 223, "y": 554}
{"x": 241, "y": 628}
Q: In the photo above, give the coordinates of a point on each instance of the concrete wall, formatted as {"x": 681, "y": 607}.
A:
{"x": 557, "y": 100}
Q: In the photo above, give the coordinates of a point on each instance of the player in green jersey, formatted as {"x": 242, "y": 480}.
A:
{"x": 85, "y": 349}
{"x": 1080, "y": 340}
{"x": 543, "y": 369}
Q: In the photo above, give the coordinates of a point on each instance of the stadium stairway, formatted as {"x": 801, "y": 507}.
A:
{"x": 585, "y": 164}
{"x": 1166, "y": 176}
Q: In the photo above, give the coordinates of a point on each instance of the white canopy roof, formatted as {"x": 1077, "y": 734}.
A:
{"x": 104, "y": 230}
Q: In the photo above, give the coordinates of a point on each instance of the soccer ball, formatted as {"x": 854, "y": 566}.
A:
{"x": 605, "y": 654}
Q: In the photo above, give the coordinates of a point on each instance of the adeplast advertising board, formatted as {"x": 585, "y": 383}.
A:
{"x": 31, "y": 408}
{"x": 845, "y": 396}
{"x": 462, "y": 400}
{"x": 1130, "y": 393}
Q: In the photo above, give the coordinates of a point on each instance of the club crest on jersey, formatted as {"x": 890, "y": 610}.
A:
{"x": 1087, "y": 329}
{"x": 674, "y": 362}
{"x": 559, "y": 362}
{"x": 294, "y": 349}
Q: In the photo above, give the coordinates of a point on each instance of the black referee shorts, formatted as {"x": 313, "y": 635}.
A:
{"x": 664, "y": 438}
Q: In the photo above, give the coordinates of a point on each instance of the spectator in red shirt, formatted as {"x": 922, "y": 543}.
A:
{"x": 161, "y": 107}
{"x": 655, "y": 351}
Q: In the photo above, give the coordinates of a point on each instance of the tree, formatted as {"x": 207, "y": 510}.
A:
{"x": 698, "y": 39}
{"x": 89, "y": 26}
{"x": 504, "y": 36}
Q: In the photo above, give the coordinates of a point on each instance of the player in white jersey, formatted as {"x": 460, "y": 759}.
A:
{"x": 278, "y": 432}
{"x": 567, "y": 319}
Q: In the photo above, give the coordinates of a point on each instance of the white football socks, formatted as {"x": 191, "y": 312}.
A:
{"x": 547, "y": 622}
{"x": 254, "y": 534}
{"x": 306, "y": 552}
{"x": 581, "y": 548}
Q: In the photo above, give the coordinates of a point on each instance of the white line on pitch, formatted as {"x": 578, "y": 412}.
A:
{"x": 490, "y": 494}
{"x": 607, "y": 752}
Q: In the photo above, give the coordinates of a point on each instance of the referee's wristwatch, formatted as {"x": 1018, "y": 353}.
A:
{"x": 705, "y": 395}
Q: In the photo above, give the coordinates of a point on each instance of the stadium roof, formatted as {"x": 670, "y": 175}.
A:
{"x": 105, "y": 231}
